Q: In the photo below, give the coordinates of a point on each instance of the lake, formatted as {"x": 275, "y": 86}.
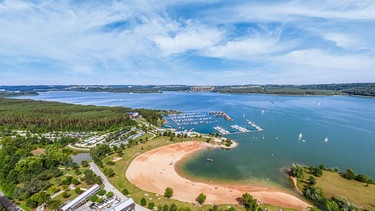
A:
{"x": 347, "y": 122}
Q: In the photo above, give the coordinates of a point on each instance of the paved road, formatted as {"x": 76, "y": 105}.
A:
{"x": 109, "y": 187}
{"x": 8, "y": 204}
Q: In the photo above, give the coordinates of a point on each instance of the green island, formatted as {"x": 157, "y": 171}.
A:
{"x": 36, "y": 167}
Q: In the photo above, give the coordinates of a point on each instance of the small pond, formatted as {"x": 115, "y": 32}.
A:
{"x": 78, "y": 158}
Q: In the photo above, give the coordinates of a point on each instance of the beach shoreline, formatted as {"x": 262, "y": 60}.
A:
{"x": 155, "y": 170}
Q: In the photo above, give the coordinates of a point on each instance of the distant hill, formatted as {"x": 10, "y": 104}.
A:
{"x": 359, "y": 89}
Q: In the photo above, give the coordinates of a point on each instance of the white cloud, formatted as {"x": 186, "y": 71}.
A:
{"x": 192, "y": 37}
{"x": 318, "y": 59}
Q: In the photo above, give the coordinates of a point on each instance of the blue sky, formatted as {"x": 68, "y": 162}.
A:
{"x": 192, "y": 42}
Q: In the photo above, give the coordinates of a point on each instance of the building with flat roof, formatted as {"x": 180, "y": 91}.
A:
{"x": 127, "y": 205}
{"x": 81, "y": 199}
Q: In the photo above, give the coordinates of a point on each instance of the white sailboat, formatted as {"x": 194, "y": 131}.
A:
{"x": 326, "y": 140}
{"x": 300, "y": 136}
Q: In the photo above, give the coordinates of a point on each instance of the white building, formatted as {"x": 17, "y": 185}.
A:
{"x": 127, "y": 205}
{"x": 81, "y": 199}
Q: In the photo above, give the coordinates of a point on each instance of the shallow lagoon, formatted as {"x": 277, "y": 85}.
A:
{"x": 347, "y": 122}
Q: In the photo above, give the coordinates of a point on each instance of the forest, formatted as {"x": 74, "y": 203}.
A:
{"x": 360, "y": 89}
{"x": 42, "y": 116}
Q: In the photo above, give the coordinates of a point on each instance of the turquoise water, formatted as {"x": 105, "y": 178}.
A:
{"x": 347, "y": 122}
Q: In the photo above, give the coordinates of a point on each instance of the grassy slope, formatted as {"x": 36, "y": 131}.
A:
{"x": 356, "y": 192}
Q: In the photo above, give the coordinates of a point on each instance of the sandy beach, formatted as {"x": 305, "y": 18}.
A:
{"x": 155, "y": 170}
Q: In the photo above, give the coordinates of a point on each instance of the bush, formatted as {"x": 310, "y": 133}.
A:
{"x": 151, "y": 205}
{"x": 54, "y": 189}
{"x": 314, "y": 193}
{"x": 65, "y": 194}
{"x": 93, "y": 198}
{"x": 143, "y": 202}
{"x": 78, "y": 191}
{"x": 363, "y": 178}
{"x": 101, "y": 192}
{"x": 100, "y": 200}
{"x": 111, "y": 163}
{"x": 76, "y": 181}
{"x": 349, "y": 174}
{"x": 125, "y": 192}
{"x": 173, "y": 207}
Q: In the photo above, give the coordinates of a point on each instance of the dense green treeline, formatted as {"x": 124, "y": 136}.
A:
{"x": 42, "y": 116}
{"x": 362, "y": 89}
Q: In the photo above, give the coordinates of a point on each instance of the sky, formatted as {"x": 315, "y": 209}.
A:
{"x": 189, "y": 42}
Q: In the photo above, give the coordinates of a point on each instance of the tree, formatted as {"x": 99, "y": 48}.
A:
{"x": 168, "y": 193}
{"x": 311, "y": 180}
{"x": 201, "y": 198}
{"x": 349, "y": 174}
{"x": 316, "y": 171}
{"x": 93, "y": 198}
{"x": 332, "y": 206}
{"x": 101, "y": 192}
{"x": 110, "y": 194}
{"x": 249, "y": 202}
{"x": 296, "y": 171}
{"x": 363, "y": 178}
{"x": 173, "y": 207}
{"x": 151, "y": 205}
{"x": 109, "y": 172}
{"x": 54, "y": 204}
{"x": 143, "y": 202}
{"x": 165, "y": 207}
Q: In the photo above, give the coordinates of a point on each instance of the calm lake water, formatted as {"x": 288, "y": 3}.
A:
{"x": 347, "y": 122}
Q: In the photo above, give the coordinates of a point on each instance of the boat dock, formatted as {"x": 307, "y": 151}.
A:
{"x": 221, "y": 114}
{"x": 239, "y": 128}
{"x": 221, "y": 130}
{"x": 257, "y": 127}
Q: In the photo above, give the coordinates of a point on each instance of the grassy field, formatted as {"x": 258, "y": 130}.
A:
{"x": 333, "y": 185}
{"x": 355, "y": 192}
{"x": 120, "y": 181}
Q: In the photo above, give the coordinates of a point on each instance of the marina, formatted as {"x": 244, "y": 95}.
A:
{"x": 190, "y": 118}
{"x": 221, "y": 114}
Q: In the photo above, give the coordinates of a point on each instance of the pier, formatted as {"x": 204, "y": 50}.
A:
{"x": 257, "y": 127}
{"x": 239, "y": 128}
{"x": 221, "y": 130}
{"x": 221, "y": 114}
